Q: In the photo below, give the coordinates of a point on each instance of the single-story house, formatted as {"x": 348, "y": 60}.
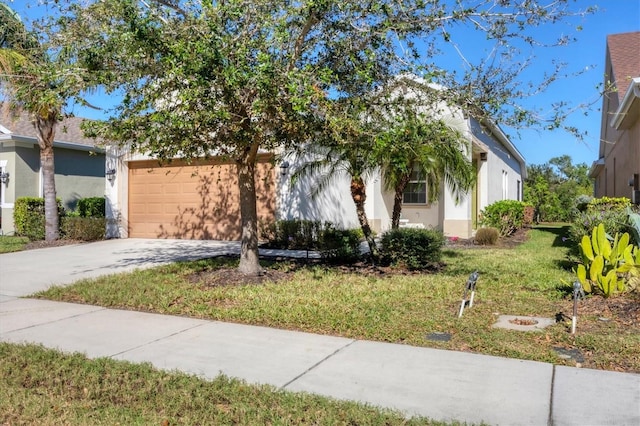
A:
{"x": 616, "y": 172}
{"x": 200, "y": 200}
{"x": 79, "y": 165}
{"x": 500, "y": 169}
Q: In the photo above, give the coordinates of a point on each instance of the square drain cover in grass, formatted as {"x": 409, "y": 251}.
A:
{"x": 439, "y": 337}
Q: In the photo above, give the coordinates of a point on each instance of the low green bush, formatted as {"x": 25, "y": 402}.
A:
{"x": 28, "y": 217}
{"x": 340, "y": 245}
{"x": 487, "y": 236}
{"x": 91, "y": 207}
{"x": 415, "y": 249}
{"x": 83, "y": 228}
{"x": 292, "y": 234}
{"x": 506, "y": 215}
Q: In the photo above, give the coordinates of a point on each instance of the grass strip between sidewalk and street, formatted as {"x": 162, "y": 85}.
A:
{"x": 528, "y": 280}
{"x": 45, "y": 387}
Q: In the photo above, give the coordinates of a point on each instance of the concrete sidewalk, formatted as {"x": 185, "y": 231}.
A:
{"x": 439, "y": 384}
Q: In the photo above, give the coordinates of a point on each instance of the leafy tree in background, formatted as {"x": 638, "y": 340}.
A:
{"x": 553, "y": 187}
{"x": 230, "y": 78}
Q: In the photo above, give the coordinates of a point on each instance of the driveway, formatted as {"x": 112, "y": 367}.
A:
{"x": 26, "y": 272}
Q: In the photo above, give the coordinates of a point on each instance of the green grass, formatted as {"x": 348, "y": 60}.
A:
{"x": 45, "y": 387}
{"x": 527, "y": 280}
{"x": 11, "y": 244}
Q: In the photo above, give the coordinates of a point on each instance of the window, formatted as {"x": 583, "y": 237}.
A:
{"x": 416, "y": 190}
{"x": 505, "y": 185}
{"x": 519, "y": 189}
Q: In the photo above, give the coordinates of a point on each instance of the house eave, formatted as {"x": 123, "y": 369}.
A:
{"x": 629, "y": 109}
{"x": 56, "y": 144}
{"x": 596, "y": 167}
{"x": 497, "y": 131}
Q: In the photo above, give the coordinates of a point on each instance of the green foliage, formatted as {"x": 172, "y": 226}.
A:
{"x": 552, "y": 188}
{"x": 487, "y": 236}
{"x": 612, "y": 214}
{"x": 609, "y": 203}
{"x": 413, "y": 248}
{"x": 607, "y": 265}
{"x": 334, "y": 245}
{"x": 505, "y": 215}
{"x": 91, "y": 207}
{"x": 28, "y": 217}
{"x": 83, "y": 228}
{"x": 340, "y": 245}
{"x": 294, "y": 234}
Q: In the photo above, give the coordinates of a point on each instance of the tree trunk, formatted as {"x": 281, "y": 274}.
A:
{"x": 358, "y": 193}
{"x": 397, "y": 201}
{"x": 249, "y": 257}
{"x": 46, "y": 131}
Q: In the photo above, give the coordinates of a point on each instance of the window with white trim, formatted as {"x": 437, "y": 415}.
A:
{"x": 505, "y": 185}
{"x": 416, "y": 190}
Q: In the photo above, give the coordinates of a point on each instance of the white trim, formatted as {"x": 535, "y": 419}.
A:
{"x": 633, "y": 92}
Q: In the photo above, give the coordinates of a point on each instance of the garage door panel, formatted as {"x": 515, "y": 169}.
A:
{"x": 194, "y": 202}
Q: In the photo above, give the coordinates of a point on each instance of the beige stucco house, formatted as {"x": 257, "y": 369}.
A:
{"x": 616, "y": 173}
{"x": 79, "y": 165}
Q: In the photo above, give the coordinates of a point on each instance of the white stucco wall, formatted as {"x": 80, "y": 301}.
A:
{"x": 500, "y": 160}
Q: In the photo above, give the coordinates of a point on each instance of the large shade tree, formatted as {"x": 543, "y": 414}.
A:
{"x": 232, "y": 77}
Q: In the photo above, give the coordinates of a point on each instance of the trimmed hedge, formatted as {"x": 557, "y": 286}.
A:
{"x": 83, "y": 228}
{"x": 413, "y": 248}
{"x": 92, "y": 207}
{"x": 335, "y": 245}
{"x": 28, "y": 217}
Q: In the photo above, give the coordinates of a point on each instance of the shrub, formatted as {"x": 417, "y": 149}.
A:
{"x": 611, "y": 214}
{"x": 505, "y": 215}
{"x": 487, "y": 236}
{"x": 340, "y": 245}
{"x": 91, "y": 207}
{"x": 83, "y": 228}
{"x": 28, "y": 217}
{"x": 413, "y": 248}
{"x": 608, "y": 203}
{"x": 528, "y": 214}
{"x": 292, "y": 234}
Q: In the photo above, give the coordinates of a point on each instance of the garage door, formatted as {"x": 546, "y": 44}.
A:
{"x": 197, "y": 201}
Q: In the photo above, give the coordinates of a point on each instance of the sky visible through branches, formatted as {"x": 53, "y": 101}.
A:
{"x": 586, "y": 56}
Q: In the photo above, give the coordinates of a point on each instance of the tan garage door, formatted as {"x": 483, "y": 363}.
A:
{"x": 198, "y": 201}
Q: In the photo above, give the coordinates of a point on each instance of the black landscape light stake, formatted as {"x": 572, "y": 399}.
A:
{"x": 470, "y": 286}
{"x": 578, "y": 293}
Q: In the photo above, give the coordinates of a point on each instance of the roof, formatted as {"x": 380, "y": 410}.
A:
{"x": 624, "y": 54}
{"x": 68, "y": 130}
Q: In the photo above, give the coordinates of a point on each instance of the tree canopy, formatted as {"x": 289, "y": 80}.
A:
{"x": 204, "y": 78}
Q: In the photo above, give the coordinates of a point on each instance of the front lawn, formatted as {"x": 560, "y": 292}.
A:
{"x": 372, "y": 304}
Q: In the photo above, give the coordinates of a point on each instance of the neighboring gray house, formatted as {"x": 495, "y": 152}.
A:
{"x": 79, "y": 165}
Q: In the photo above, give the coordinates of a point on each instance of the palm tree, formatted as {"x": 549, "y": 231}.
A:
{"x": 35, "y": 81}
{"x": 432, "y": 149}
{"x": 344, "y": 148}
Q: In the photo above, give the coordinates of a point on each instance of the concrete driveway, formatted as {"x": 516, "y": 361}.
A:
{"x": 25, "y": 272}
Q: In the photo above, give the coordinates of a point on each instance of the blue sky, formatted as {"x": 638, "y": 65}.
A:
{"x": 587, "y": 54}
